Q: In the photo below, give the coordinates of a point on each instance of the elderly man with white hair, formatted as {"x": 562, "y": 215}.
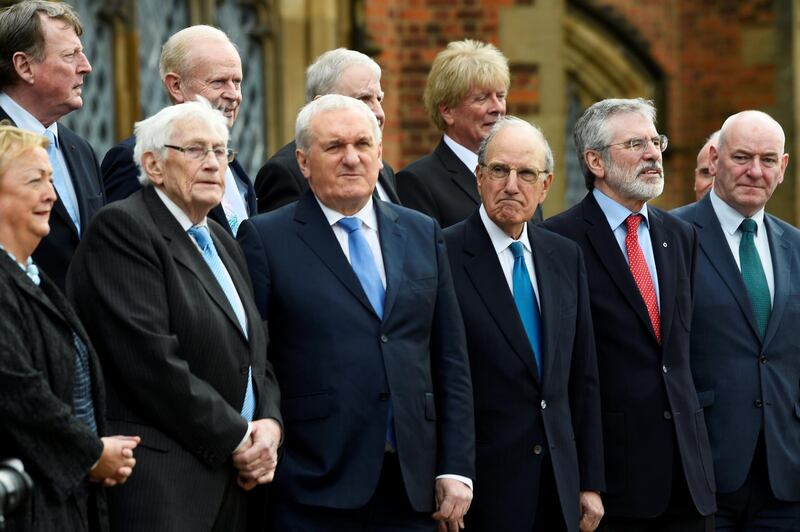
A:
{"x": 167, "y": 301}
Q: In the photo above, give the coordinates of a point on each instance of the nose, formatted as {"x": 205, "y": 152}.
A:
{"x": 50, "y": 195}
{"x": 84, "y": 67}
{"x": 512, "y": 182}
{"x": 651, "y": 152}
{"x": 232, "y": 91}
{"x": 376, "y": 108}
{"x": 497, "y": 104}
{"x": 756, "y": 167}
{"x": 350, "y": 157}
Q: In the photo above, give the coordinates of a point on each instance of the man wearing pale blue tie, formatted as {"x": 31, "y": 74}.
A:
{"x": 366, "y": 340}
{"x": 42, "y": 67}
{"x": 524, "y": 297}
{"x": 167, "y": 301}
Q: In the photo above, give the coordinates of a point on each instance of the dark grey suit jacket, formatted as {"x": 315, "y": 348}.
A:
{"x": 175, "y": 356}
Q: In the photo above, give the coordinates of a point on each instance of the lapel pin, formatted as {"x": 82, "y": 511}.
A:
{"x": 664, "y": 244}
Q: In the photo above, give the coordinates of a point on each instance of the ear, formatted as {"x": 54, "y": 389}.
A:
{"x": 479, "y": 177}
{"x": 172, "y": 82}
{"x": 595, "y": 163}
{"x": 546, "y": 187}
{"x": 302, "y": 161}
{"x": 151, "y": 165}
{"x": 784, "y": 163}
{"x": 447, "y": 114}
{"x": 24, "y": 67}
{"x": 380, "y": 153}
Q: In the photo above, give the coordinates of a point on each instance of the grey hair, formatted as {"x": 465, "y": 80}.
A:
{"x": 154, "y": 132}
{"x": 591, "y": 130}
{"x": 330, "y": 102}
{"x": 323, "y": 74}
{"x": 513, "y": 121}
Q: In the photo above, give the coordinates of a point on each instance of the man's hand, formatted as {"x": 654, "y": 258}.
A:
{"x": 256, "y": 459}
{"x": 453, "y": 498}
{"x": 591, "y": 510}
{"x": 116, "y": 462}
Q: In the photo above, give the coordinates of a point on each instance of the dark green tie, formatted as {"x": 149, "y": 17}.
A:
{"x": 753, "y": 275}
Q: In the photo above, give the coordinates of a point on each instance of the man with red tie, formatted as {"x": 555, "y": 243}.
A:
{"x": 640, "y": 260}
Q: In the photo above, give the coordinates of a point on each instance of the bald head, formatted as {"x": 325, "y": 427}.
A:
{"x": 703, "y": 178}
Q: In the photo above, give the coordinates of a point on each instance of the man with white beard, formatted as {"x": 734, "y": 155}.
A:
{"x": 639, "y": 261}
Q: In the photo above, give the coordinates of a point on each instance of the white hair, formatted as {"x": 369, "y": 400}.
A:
{"x": 323, "y": 74}
{"x": 330, "y": 102}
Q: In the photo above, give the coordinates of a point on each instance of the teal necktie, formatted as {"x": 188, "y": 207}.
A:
{"x": 753, "y": 275}
{"x": 525, "y": 300}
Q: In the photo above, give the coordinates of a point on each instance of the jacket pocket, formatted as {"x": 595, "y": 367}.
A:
{"x": 705, "y": 398}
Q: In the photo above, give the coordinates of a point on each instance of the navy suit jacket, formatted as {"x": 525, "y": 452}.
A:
{"x": 745, "y": 384}
{"x": 280, "y": 180}
{"x": 121, "y": 179}
{"x": 650, "y": 410}
{"x": 516, "y": 413}
{"x": 441, "y": 186}
{"x": 55, "y": 251}
{"x": 338, "y": 363}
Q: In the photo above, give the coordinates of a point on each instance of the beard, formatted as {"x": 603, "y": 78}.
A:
{"x": 635, "y": 184}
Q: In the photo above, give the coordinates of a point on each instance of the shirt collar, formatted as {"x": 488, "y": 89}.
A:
{"x": 465, "y": 155}
{"x": 729, "y": 218}
{"x": 22, "y": 118}
{"x": 30, "y": 269}
{"x": 616, "y": 213}
{"x": 366, "y": 214}
{"x": 500, "y": 239}
{"x": 177, "y": 212}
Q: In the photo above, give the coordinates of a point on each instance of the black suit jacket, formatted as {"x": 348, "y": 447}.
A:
{"x": 760, "y": 397}
{"x": 515, "y": 411}
{"x": 650, "y": 409}
{"x": 176, "y": 359}
{"x": 280, "y": 180}
{"x": 55, "y": 251}
{"x": 37, "y": 370}
{"x": 442, "y": 187}
{"x": 121, "y": 179}
{"x": 338, "y": 363}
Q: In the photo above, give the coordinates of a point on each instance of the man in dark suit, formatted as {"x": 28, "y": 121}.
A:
{"x": 167, "y": 302}
{"x": 745, "y": 348}
{"x": 340, "y": 71}
{"x": 465, "y": 96}
{"x": 39, "y": 86}
{"x": 640, "y": 262}
{"x": 539, "y": 459}
{"x": 367, "y": 342}
{"x": 196, "y": 61}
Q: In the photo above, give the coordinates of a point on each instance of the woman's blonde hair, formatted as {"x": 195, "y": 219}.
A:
{"x": 15, "y": 141}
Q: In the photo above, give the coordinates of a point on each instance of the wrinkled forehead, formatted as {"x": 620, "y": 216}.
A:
{"x": 194, "y": 130}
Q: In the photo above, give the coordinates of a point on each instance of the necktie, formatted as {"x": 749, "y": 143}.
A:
{"x": 640, "y": 272}
{"x": 203, "y": 239}
{"x": 525, "y": 300}
{"x": 363, "y": 263}
{"x": 66, "y": 192}
{"x": 755, "y": 281}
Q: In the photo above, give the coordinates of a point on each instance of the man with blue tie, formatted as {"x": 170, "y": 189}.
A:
{"x": 745, "y": 348}
{"x": 42, "y": 68}
{"x": 525, "y": 301}
{"x": 367, "y": 343}
{"x": 640, "y": 261}
{"x": 167, "y": 302}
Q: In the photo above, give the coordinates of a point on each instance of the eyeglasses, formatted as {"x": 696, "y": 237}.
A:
{"x": 639, "y": 145}
{"x": 500, "y": 172}
{"x": 199, "y": 153}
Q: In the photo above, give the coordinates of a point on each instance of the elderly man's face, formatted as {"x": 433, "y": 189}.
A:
{"x": 703, "y": 178}
{"x": 215, "y": 73}
{"x": 511, "y": 201}
{"x": 58, "y": 78}
{"x": 750, "y": 164}
{"x": 26, "y": 198}
{"x": 359, "y": 82}
{"x": 196, "y": 186}
{"x": 469, "y": 122}
{"x": 343, "y": 161}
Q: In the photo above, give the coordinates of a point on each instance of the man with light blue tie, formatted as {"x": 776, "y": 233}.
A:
{"x": 366, "y": 340}
{"x": 42, "y": 68}
{"x": 168, "y": 304}
{"x": 524, "y": 297}
{"x": 744, "y": 343}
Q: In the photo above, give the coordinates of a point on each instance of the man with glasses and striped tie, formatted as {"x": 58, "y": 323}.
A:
{"x": 168, "y": 303}
{"x": 640, "y": 261}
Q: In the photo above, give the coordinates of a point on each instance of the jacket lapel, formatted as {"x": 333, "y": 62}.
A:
{"x": 547, "y": 277}
{"x": 664, "y": 242}
{"x": 393, "y": 248}
{"x": 463, "y": 177}
{"x": 782, "y": 274}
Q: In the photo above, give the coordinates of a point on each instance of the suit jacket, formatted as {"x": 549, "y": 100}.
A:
{"x": 738, "y": 376}
{"x": 121, "y": 179}
{"x": 55, "y": 251}
{"x": 176, "y": 359}
{"x": 280, "y": 180}
{"x": 650, "y": 410}
{"x": 441, "y": 186}
{"x": 338, "y": 363}
{"x": 36, "y": 421}
{"x": 515, "y": 411}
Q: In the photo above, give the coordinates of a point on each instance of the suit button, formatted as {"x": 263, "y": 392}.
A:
{"x": 667, "y": 414}
{"x": 664, "y": 368}
{"x": 383, "y": 396}
{"x": 537, "y": 449}
{"x": 384, "y": 338}
{"x": 544, "y": 404}
{"x": 763, "y": 359}
{"x": 759, "y": 403}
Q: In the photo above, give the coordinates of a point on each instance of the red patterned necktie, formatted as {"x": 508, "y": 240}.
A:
{"x": 641, "y": 274}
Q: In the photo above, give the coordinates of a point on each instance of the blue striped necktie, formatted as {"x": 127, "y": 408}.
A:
{"x": 525, "y": 300}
